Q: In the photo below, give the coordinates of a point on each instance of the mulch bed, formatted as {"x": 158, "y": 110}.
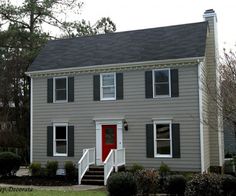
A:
{"x": 37, "y": 181}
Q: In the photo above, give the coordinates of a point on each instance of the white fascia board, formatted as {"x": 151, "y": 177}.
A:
{"x": 116, "y": 65}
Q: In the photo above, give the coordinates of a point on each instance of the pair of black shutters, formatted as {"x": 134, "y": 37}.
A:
{"x": 70, "y": 141}
{"x": 174, "y": 78}
{"x": 119, "y": 87}
{"x": 70, "y": 90}
{"x": 175, "y": 140}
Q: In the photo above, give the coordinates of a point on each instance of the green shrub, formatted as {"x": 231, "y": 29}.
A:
{"x": 215, "y": 169}
{"x": 164, "y": 170}
{"x": 122, "y": 183}
{"x": 9, "y": 163}
{"x": 229, "y": 167}
{"x": 70, "y": 170}
{"x": 35, "y": 169}
{"x": 228, "y": 185}
{"x": 136, "y": 167}
{"x": 175, "y": 184}
{"x": 204, "y": 185}
{"x": 147, "y": 181}
{"x": 51, "y": 168}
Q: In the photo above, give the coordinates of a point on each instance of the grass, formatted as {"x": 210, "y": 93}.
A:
{"x": 56, "y": 193}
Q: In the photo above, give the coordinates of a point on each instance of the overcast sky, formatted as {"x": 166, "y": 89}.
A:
{"x": 139, "y": 14}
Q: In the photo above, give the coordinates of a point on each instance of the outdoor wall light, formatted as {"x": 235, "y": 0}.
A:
{"x": 126, "y": 127}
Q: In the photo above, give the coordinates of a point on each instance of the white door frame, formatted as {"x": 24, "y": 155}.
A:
{"x": 99, "y": 123}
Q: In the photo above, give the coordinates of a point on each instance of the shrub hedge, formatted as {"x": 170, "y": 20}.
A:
{"x": 122, "y": 184}
{"x": 9, "y": 163}
{"x": 51, "y": 168}
{"x": 35, "y": 169}
{"x": 70, "y": 170}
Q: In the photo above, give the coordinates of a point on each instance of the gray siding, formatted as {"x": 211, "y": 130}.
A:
{"x": 137, "y": 110}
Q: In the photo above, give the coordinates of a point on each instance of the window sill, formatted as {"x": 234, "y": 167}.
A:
{"x": 163, "y": 156}
{"x": 60, "y": 155}
{"x": 108, "y": 99}
{"x": 161, "y": 97}
{"x": 64, "y": 101}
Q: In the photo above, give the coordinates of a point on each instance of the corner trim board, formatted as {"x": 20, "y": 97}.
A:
{"x": 31, "y": 120}
{"x": 201, "y": 117}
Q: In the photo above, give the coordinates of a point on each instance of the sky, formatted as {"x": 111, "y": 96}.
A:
{"x": 140, "y": 14}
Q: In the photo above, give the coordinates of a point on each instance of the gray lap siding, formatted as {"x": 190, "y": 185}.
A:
{"x": 135, "y": 108}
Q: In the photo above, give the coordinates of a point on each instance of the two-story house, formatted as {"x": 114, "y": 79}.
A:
{"x": 142, "y": 91}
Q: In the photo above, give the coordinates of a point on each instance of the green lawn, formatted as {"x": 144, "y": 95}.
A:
{"x": 56, "y": 193}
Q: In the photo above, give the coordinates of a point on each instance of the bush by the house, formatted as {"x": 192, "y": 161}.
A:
{"x": 147, "y": 181}
{"x": 175, "y": 184}
{"x": 204, "y": 185}
{"x": 122, "y": 183}
{"x": 9, "y": 163}
{"x": 229, "y": 167}
{"x": 229, "y": 185}
{"x": 215, "y": 169}
{"x": 136, "y": 167}
{"x": 35, "y": 169}
{"x": 51, "y": 168}
{"x": 70, "y": 170}
{"x": 164, "y": 169}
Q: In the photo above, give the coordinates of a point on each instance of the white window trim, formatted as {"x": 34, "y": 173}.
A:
{"x": 54, "y": 90}
{"x": 155, "y": 146}
{"x": 101, "y": 86}
{"x": 153, "y": 84}
{"x": 54, "y": 140}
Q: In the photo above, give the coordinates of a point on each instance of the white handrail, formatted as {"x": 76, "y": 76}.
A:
{"x": 115, "y": 158}
{"x": 87, "y": 159}
{"x": 108, "y": 165}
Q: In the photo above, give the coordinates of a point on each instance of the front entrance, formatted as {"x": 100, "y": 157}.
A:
{"x": 109, "y": 139}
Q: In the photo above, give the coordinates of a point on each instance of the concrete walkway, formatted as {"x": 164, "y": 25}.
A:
{"x": 56, "y": 188}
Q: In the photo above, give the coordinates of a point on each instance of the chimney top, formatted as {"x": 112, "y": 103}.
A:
{"x": 209, "y": 13}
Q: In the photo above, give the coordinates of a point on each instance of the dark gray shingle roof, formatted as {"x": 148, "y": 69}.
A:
{"x": 172, "y": 42}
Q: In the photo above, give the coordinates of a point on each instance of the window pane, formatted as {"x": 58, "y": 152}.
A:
{"x": 162, "y": 76}
{"x": 60, "y": 132}
{"x": 108, "y": 80}
{"x": 162, "y": 89}
{"x": 108, "y": 92}
{"x": 163, "y": 147}
{"x": 162, "y": 131}
{"x": 61, "y": 147}
{"x": 60, "y": 95}
{"x": 109, "y": 136}
{"x": 61, "y": 83}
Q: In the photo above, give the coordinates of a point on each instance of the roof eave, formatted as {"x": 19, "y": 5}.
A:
{"x": 117, "y": 66}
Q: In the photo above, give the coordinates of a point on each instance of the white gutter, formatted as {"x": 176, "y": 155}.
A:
{"x": 117, "y": 65}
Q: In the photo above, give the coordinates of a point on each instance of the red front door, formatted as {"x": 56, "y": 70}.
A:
{"x": 109, "y": 139}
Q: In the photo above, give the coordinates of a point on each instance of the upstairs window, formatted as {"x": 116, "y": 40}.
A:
{"x": 108, "y": 86}
{"x": 60, "y": 89}
{"x": 161, "y": 83}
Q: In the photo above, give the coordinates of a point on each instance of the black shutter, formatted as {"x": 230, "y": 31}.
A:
{"x": 150, "y": 140}
{"x": 50, "y": 141}
{"x": 70, "y": 141}
{"x": 50, "y": 90}
{"x": 96, "y": 87}
{"x": 71, "y": 89}
{"x": 148, "y": 84}
{"x": 176, "y": 140}
{"x": 174, "y": 83}
{"x": 119, "y": 86}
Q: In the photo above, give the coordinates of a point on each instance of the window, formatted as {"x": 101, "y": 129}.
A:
{"x": 60, "y": 89}
{"x": 108, "y": 86}
{"x": 60, "y": 144}
{"x": 161, "y": 83}
{"x": 163, "y": 139}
